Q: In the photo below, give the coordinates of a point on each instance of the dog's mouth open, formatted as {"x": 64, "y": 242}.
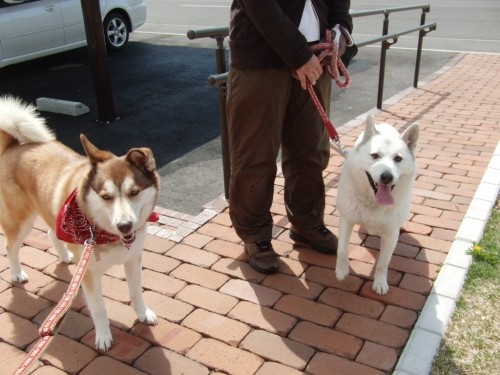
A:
{"x": 383, "y": 193}
{"x": 128, "y": 239}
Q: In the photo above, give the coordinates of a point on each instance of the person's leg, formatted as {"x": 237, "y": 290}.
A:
{"x": 255, "y": 112}
{"x": 305, "y": 155}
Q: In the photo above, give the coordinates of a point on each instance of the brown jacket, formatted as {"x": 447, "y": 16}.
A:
{"x": 264, "y": 33}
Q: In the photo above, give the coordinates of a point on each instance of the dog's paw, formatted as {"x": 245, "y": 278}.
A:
{"x": 380, "y": 287}
{"x": 341, "y": 273}
{"x": 103, "y": 341}
{"x": 20, "y": 277}
{"x": 149, "y": 317}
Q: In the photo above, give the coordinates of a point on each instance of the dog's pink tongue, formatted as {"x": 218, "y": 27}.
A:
{"x": 384, "y": 195}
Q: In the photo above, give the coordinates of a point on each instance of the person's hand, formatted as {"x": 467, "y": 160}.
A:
{"x": 310, "y": 71}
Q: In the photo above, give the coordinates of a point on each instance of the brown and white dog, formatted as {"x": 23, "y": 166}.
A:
{"x": 103, "y": 196}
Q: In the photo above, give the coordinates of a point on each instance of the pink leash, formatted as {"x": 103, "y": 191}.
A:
{"x": 50, "y": 326}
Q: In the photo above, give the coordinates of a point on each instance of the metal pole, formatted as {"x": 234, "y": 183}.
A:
{"x": 421, "y": 35}
{"x": 220, "y": 56}
{"x": 381, "y": 75}
{"x": 98, "y": 60}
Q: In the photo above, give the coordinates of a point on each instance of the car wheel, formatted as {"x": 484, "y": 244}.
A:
{"x": 115, "y": 31}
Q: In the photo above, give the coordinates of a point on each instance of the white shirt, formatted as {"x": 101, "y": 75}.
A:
{"x": 309, "y": 24}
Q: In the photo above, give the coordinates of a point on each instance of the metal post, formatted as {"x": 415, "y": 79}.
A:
{"x": 421, "y": 35}
{"x": 220, "y": 56}
{"x": 98, "y": 60}
{"x": 384, "y": 47}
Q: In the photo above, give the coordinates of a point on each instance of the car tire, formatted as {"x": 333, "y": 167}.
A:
{"x": 116, "y": 31}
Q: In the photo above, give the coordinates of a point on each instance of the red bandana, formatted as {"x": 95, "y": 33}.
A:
{"x": 73, "y": 226}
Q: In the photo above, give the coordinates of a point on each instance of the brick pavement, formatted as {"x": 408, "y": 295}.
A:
{"x": 218, "y": 316}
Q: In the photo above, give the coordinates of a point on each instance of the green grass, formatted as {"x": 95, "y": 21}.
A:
{"x": 472, "y": 342}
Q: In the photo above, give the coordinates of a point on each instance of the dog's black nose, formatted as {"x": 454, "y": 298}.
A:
{"x": 386, "y": 178}
{"x": 125, "y": 226}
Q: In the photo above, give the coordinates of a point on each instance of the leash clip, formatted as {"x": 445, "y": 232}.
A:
{"x": 91, "y": 242}
{"x": 340, "y": 146}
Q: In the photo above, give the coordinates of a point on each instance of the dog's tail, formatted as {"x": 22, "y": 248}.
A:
{"x": 19, "y": 121}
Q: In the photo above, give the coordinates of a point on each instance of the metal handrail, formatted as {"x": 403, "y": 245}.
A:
{"x": 372, "y": 12}
{"x": 387, "y": 40}
{"x": 216, "y": 79}
{"x": 209, "y": 32}
{"x": 219, "y": 33}
{"x": 395, "y": 36}
{"x": 223, "y": 31}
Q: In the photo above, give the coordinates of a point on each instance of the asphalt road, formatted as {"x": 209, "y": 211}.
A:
{"x": 161, "y": 93}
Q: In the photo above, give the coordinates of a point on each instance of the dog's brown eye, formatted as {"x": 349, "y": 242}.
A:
{"x": 398, "y": 159}
{"x": 374, "y": 156}
{"x": 106, "y": 197}
{"x": 134, "y": 192}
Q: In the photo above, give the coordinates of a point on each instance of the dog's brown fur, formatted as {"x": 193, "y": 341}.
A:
{"x": 117, "y": 194}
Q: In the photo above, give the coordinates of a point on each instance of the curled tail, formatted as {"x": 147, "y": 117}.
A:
{"x": 20, "y": 121}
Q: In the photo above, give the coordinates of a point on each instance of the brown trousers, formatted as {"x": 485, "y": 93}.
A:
{"x": 267, "y": 109}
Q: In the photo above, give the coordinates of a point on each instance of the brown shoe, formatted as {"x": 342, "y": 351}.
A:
{"x": 261, "y": 256}
{"x": 319, "y": 239}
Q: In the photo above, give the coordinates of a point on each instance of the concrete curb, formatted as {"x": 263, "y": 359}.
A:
{"x": 430, "y": 328}
{"x": 425, "y": 339}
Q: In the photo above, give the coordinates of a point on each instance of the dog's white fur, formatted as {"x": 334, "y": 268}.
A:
{"x": 117, "y": 194}
{"x": 389, "y": 159}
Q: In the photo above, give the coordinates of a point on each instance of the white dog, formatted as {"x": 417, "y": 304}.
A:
{"x": 375, "y": 191}
{"x": 99, "y": 197}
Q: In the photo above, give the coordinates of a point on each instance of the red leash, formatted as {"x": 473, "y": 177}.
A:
{"x": 51, "y": 324}
{"x": 328, "y": 54}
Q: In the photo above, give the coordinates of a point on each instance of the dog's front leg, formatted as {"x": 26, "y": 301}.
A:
{"x": 342, "y": 266}
{"x": 65, "y": 255}
{"x": 133, "y": 272}
{"x": 387, "y": 245}
{"x": 93, "y": 294}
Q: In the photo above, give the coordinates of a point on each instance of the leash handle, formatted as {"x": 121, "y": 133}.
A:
{"x": 335, "y": 67}
{"x": 52, "y": 323}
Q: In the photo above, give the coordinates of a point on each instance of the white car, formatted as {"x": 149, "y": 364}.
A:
{"x": 30, "y": 29}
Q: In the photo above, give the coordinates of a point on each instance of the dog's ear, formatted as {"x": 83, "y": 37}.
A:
{"x": 410, "y": 136}
{"x": 94, "y": 154}
{"x": 370, "y": 130}
{"x": 142, "y": 158}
